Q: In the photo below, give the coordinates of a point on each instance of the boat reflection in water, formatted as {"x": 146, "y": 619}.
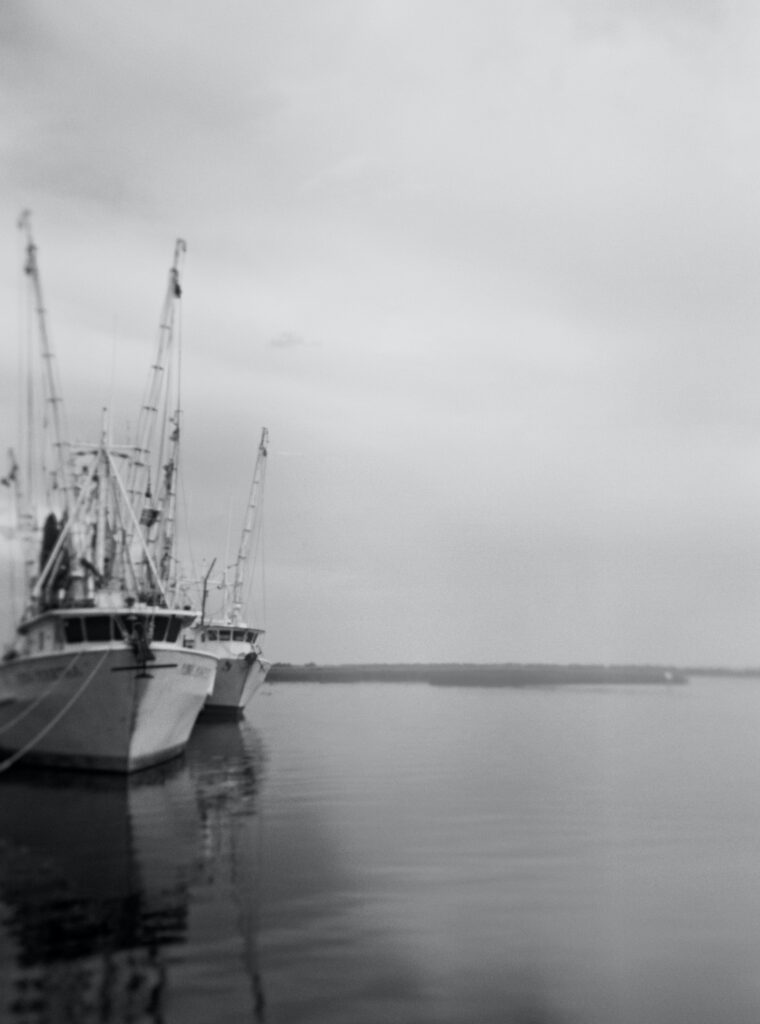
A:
{"x": 114, "y": 890}
{"x": 226, "y": 761}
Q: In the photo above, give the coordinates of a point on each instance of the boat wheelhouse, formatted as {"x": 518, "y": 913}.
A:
{"x": 229, "y": 634}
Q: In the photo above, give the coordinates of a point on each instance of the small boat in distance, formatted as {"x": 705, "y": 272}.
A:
{"x": 234, "y": 642}
{"x": 102, "y": 673}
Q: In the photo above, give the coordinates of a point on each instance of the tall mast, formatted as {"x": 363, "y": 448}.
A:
{"x": 103, "y": 492}
{"x": 165, "y": 539}
{"x": 143, "y": 483}
{"x": 251, "y": 515}
{"x": 51, "y": 383}
{"x": 153, "y": 470}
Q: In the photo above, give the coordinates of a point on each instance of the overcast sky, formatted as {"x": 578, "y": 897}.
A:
{"x": 488, "y": 271}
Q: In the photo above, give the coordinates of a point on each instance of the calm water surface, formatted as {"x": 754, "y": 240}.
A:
{"x": 389, "y": 852}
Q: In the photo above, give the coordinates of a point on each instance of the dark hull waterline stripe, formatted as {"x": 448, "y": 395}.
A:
{"x": 142, "y": 668}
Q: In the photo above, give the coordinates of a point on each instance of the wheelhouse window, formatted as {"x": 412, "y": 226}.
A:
{"x": 160, "y": 624}
{"x": 73, "y": 630}
{"x": 174, "y": 629}
{"x": 120, "y": 631}
{"x": 166, "y": 628}
{"x": 98, "y": 628}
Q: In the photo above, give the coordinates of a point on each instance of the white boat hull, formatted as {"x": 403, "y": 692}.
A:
{"x": 120, "y": 717}
{"x": 238, "y": 676}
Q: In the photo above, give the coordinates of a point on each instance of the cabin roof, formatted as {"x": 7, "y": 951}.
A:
{"x": 124, "y": 611}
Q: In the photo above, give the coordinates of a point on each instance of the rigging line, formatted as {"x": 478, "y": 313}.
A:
{"x": 27, "y": 416}
{"x": 123, "y": 569}
{"x": 4, "y": 765}
{"x": 177, "y": 482}
{"x": 258, "y": 551}
{"x": 35, "y": 703}
{"x": 66, "y": 530}
{"x": 186, "y": 515}
{"x": 135, "y": 525}
{"x": 13, "y": 596}
{"x": 21, "y": 366}
{"x": 12, "y": 537}
{"x": 178, "y": 476}
{"x": 170, "y": 388}
{"x": 249, "y": 605}
{"x": 263, "y": 572}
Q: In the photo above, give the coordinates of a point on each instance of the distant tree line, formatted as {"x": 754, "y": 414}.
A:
{"x": 467, "y": 674}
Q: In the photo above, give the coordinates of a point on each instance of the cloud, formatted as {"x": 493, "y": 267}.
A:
{"x": 287, "y": 340}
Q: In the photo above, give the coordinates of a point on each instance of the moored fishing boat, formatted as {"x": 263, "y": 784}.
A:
{"x": 102, "y": 673}
{"x": 94, "y": 688}
{"x": 240, "y": 668}
{"x": 232, "y": 640}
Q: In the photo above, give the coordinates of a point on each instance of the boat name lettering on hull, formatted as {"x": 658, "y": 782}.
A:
{"x": 195, "y": 670}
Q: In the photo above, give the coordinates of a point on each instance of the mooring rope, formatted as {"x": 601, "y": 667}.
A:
{"x": 4, "y": 765}
{"x": 35, "y": 703}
